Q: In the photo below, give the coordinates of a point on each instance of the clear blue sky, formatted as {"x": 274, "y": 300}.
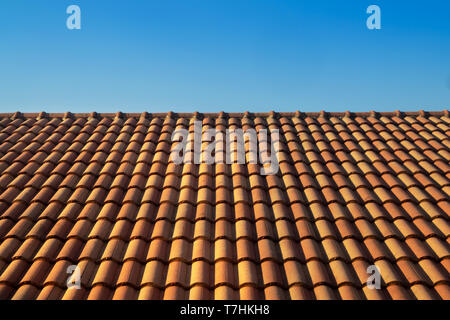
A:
{"x": 232, "y": 55}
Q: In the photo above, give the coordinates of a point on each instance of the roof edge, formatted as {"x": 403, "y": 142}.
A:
{"x": 231, "y": 115}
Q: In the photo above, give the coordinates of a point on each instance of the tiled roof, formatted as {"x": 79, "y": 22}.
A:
{"x": 98, "y": 191}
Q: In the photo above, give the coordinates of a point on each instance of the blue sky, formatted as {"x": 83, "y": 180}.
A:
{"x": 232, "y": 55}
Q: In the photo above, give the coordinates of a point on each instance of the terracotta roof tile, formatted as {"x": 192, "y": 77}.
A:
{"x": 353, "y": 190}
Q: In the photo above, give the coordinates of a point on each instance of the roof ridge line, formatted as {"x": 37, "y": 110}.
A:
{"x": 318, "y": 114}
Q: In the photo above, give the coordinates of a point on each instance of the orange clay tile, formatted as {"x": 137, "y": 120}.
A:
{"x": 99, "y": 191}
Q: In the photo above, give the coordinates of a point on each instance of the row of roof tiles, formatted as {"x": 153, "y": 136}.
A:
{"x": 102, "y": 193}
